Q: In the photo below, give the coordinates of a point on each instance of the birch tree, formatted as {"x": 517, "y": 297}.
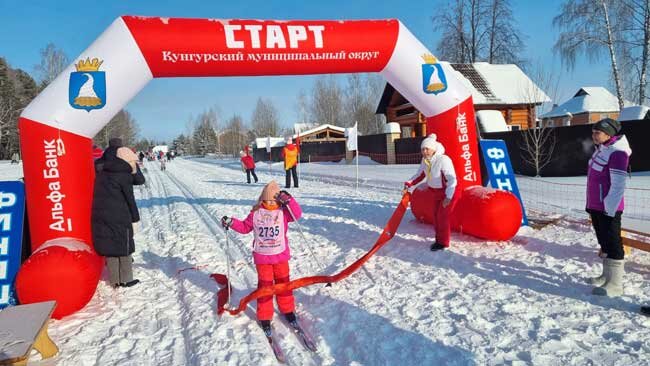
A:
{"x": 264, "y": 121}
{"x": 587, "y": 27}
{"x": 327, "y": 101}
{"x": 53, "y": 62}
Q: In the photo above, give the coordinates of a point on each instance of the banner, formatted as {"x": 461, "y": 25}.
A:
{"x": 497, "y": 162}
{"x": 12, "y": 210}
{"x": 351, "y": 134}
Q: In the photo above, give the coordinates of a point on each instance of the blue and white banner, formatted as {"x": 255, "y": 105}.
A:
{"x": 12, "y": 211}
{"x": 497, "y": 162}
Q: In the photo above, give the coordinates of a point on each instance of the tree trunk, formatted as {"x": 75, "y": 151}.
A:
{"x": 612, "y": 55}
{"x": 646, "y": 52}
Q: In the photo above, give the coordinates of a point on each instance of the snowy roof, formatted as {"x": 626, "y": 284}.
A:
{"x": 491, "y": 121}
{"x": 321, "y": 128}
{"x": 499, "y": 84}
{"x": 300, "y": 127}
{"x": 634, "y": 113}
{"x": 260, "y": 142}
{"x": 587, "y": 99}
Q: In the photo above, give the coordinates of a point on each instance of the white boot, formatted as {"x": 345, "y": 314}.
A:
{"x": 600, "y": 280}
{"x": 614, "y": 281}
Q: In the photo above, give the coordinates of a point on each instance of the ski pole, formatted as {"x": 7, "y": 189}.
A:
{"x": 304, "y": 238}
{"x": 227, "y": 304}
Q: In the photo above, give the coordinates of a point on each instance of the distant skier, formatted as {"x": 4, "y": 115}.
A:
{"x": 438, "y": 170}
{"x": 15, "y": 158}
{"x": 290, "y": 155}
{"x": 269, "y": 220}
{"x": 606, "y": 175}
{"x": 248, "y": 165}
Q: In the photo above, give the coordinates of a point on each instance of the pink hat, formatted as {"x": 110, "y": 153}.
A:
{"x": 269, "y": 192}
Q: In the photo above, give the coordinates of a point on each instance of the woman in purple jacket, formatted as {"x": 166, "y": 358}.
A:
{"x": 605, "y": 188}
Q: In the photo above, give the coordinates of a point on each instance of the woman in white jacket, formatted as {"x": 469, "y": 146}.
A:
{"x": 438, "y": 171}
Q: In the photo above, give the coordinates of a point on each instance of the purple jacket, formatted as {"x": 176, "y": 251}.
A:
{"x": 246, "y": 226}
{"x": 606, "y": 176}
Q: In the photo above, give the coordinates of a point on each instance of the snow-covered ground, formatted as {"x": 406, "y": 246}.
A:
{"x": 480, "y": 303}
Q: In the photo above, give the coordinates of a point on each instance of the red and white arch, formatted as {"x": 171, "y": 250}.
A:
{"x": 56, "y": 135}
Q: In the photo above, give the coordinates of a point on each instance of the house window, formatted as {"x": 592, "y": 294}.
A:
{"x": 515, "y": 127}
{"x": 406, "y": 132}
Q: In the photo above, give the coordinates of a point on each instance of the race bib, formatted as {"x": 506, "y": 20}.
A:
{"x": 269, "y": 232}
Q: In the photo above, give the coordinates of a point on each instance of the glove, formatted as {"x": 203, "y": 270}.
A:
{"x": 283, "y": 198}
{"x": 226, "y": 222}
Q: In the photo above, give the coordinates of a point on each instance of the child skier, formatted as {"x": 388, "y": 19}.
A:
{"x": 438, "y": 170}
{"x": 269, "y": 221}
{"x": 248, "y": 164}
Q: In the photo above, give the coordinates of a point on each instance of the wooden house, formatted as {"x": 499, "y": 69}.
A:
{"x": 504, "y": 88}
{"x": 588, "y": 105}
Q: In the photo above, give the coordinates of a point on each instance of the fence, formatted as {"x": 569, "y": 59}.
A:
{"x": 547, "y": 196}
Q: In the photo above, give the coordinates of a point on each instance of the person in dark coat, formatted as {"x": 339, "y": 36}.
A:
{"x": 114, "y": 211}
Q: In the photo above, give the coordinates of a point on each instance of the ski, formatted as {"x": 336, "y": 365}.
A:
{"x": 277, "y": 351}
{"x": 304, "y": 337}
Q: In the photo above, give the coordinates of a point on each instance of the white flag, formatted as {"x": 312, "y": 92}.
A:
{"x": 351, "y": 135}
{"x": 268, "y": 144}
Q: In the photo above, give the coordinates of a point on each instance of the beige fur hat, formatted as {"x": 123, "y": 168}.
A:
{"x": 129, "y": 156}
{"x": 270, "y": 190}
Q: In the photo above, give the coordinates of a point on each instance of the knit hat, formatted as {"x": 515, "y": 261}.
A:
{"x": 115, "y": 142}
{"x": 430, "y": 142}
{"x": 129, "y": 156}
{"x": 269, "y": 192}
{"x": 609, "y": 126}
{"x": 289, "y": 140}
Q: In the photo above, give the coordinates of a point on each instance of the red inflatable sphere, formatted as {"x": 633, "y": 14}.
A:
{"x": 483, "y": 212}
{"x": 64, "y": 270}
{"x": 421, "y": 199}
{"x": 487, "y": 213}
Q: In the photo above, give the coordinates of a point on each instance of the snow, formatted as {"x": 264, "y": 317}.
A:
{"x": 633, "y": 113}
{"x": 507, "y": 82}
{"x": 519, "y": 302}
{"x": 491, "y": 121}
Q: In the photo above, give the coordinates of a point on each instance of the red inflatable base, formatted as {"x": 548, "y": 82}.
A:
{"x": 486, "y": 213}
{"x": 65, "y": 272}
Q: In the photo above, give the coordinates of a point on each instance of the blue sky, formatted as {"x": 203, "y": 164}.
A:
{"x": 164, "y": 106}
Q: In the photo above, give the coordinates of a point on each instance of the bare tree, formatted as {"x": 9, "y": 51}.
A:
{"x": 233, "y": 138}
{"x": 479, "y": 30}
{"x": 122, "y": 125}
{"x": 588, "y": 28}
{"x": 264, "y": 121}
{"x": 634, "y": 52}
{"x": 327, "y": 101}
{"x": 505, "y": 41}
{"x": 362, "y": 94}
{"x": 538, "y": 142}
{"x": 53, "y": 62}
{"x": 302, "y": 107}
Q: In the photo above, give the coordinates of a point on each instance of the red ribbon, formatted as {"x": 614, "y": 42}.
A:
{"x": 387, "y": 234}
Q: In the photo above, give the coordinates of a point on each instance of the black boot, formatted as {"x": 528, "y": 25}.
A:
{"x": 645, "y": 310}
{"x": 291, "y": 317}
{"x": 436, "y": 247}
{"x": 130, "y": 283}
{"x": 266, "y": 327}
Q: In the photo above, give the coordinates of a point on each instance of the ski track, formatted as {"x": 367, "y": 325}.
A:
{"x": 480, "y": 303}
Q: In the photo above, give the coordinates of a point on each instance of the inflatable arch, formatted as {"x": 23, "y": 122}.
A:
{"x": 57, "y": 127}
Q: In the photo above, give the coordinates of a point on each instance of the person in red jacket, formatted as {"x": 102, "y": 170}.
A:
{"x": 248, "y": 165}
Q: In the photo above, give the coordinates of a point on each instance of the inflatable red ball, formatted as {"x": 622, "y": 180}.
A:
{"x": 64, "y": 270}
{"x": 483, "y": 212}
{"x": 487, "y": 213}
